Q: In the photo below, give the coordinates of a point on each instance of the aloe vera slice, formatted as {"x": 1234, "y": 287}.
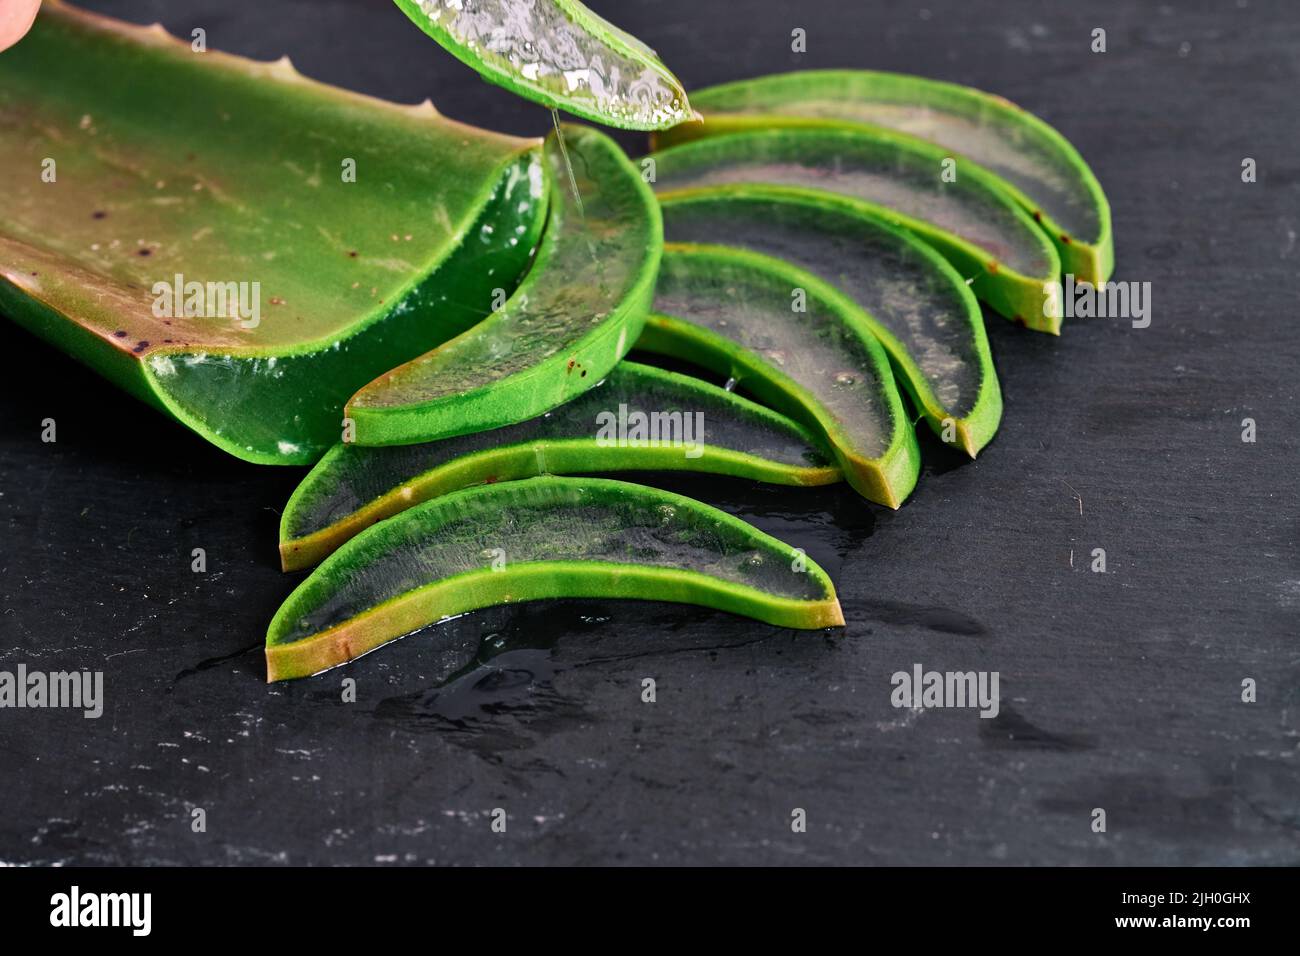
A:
{"x": 560, "y": 54}
{"x": 539, "y": 538}
{"x": 686, "y": 425}
{"x": 771, "y": 329}
{"x": 971, "y": 221}
{"x": 1035, "y": 164}
{"x": 244, "y": 182}
{"x": 574, "y": 315}
{"x": 913, "y": 301}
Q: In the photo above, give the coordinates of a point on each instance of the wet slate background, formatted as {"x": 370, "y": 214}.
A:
{"x": 1120, "y": 690}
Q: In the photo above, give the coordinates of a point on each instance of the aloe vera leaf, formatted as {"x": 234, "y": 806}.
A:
{"x": 773, "y": 330}
{"x": 971, "y": 221}
{"x": 542, "y": 537}
{"x": 714, "y": 431}
{"x": 243, "y": 183}
{"x": 560, "y": 54}
{"x": 574, "y": 315}
{"x": 1036, "y": 165}
{"x": 913, "y": 301}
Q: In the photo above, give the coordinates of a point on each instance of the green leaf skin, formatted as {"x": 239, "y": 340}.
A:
{"x": 577, "y": 312}
{"x": 1034, "y": 163}
{"x": 732, "y": 312}
{"x": 352, "y": 487}
{"x": 913, "y": 301}
{"x": 224, "y": 170}
{"x": 549, "y": 538}
{"x": 972, "y": 222}
{"x": 560, "y": 54}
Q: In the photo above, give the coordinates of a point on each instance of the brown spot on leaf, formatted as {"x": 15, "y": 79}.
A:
{"x": 993, "y": 267}
{"x": 140, "y": 346}
{"x": 1065, "y": 239}
{"x": 98, "y": 214}
{"x": 144, "y": 252}
{"x": 120, "y": 333}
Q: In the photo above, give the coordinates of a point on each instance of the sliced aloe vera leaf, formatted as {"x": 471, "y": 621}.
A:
{"x": 669, "y": 422}
{"x": 1035, "y": 164}
{"x": 773, "y": 330}
{"x": 575, "y": 314}
{"x": 913, "y": 301}
{"x": 543, "y": 537}
{"x": 244, "y": 183}
{"x": 560, "y": 54}
{"x": 971, "y": 221}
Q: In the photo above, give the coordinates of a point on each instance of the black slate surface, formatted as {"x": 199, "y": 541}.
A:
{"x": 1120, "y": 690}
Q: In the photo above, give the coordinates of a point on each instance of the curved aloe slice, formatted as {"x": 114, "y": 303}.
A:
{"x": 772, "y": 328}
{"x": 560, "y": 54}
{"x": 541, "y": 538}
{"x": 1035, "y": 164}
{"x": 913, "y": 301}
{"x": 575, "y": 314}
{"x": 988, "y": 237}
{"x": 241, "y": 194}
{"x": 668, "y": 422}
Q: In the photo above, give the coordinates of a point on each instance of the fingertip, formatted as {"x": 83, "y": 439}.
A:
{"x": 16, "y": 19}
